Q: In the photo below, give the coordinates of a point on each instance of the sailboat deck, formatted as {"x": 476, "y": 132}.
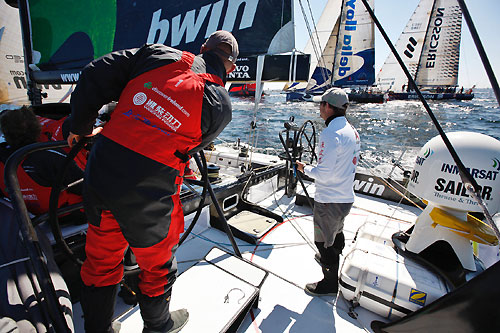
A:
{"x": 287, "y": 253}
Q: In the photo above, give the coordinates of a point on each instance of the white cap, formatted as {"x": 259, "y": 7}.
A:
{"x": 334, "y": 96}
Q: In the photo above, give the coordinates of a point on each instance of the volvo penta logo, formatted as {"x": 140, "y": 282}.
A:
{"x": 140, "y": 98}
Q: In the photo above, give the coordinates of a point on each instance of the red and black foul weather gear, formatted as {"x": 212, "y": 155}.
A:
{"x": 38, "y": 173}
{"x": 171, "y": 104}
{"x": 56, "y": 130}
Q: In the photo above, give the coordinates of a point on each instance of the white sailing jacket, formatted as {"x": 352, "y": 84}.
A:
{"x": 338, "y": 155}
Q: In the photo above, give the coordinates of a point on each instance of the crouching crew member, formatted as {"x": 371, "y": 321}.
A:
{"x": 40, "y": 171}
{"x": 170, "y": 105}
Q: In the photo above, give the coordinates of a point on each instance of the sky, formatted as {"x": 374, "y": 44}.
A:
{"x": 394, "y": 14}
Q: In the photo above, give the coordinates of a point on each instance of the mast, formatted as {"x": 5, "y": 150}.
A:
{"x": 480, "y": 49}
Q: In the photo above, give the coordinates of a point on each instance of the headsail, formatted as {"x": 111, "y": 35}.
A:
{"x": 324, "y": 37}
{"x": 409, "y": 46}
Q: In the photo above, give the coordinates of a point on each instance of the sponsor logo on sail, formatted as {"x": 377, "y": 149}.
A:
{"x": 190, "y": 22}
{"x": 350, "y": 25}
{"x": 240, "y": 72}
{"x": 434, "y": 40}
{"x": 410, "y": 47}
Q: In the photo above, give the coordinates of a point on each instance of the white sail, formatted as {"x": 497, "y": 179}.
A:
{"x": 322, "y": 73}
{"x": 355, "y": 46}
{"x": 409, "y": 46}
{"x": 12, "y": 71}
{"x": 440, "y": 55}
{"x": 323, "y": 33}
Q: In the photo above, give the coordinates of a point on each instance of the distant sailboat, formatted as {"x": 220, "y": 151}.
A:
{"x": 430, "y": 48}
{"x": 242, "y": 89}
{"x": 348, "y": 57}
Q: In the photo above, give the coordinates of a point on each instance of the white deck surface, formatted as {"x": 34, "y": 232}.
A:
{"x": 287, "y": 252}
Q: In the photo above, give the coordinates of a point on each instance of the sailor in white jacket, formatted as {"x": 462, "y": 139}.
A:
{"x": 338, "y": 154}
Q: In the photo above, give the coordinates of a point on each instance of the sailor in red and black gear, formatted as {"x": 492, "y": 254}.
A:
{"x": 171, "y": 104}
{"x": 57, "y": 130}
{"x": 40, "y": 171}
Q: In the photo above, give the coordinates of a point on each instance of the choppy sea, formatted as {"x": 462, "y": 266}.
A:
{"x": 390, "y": 131}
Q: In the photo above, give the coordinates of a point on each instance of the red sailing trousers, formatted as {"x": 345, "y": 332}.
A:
{"x": 106, "y": 245}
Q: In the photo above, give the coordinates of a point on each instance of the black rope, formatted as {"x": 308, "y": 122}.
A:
{"x": 204, "y": 176}
{"x": 54, "y": 199}
{"x": 52, "y": 305}
{"x": 480, "y": 49}
{"x": 225, "y": 225}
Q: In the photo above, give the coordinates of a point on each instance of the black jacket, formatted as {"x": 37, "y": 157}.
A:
{"x": 137, "y": 190}
{"x": 103, "y": 80}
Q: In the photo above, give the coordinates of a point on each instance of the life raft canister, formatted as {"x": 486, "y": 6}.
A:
{"x": 159, "y": 112}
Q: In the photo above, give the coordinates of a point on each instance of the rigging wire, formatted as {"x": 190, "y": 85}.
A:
{"x": 309, "y": 30}
{"x": 468, "y": 181}
{"x": 321, "y": 60}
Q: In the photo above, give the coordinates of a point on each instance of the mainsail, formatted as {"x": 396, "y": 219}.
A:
{"x": 348, "y": 55}
{"x": 440, "y": 54}
{"x": 354, "y": 63}
{"x": 429, "y": 47}
{"x": 69, "y": 34}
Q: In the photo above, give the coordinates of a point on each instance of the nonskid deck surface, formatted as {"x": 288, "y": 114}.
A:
{"x": 287, "y": 252}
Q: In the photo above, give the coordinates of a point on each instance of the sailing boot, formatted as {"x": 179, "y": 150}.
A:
{"x": 329, "y": 286}
{"x": 321, "y": 248}
{"x": 156, "y": 316}
{"x": 98, "y": 305}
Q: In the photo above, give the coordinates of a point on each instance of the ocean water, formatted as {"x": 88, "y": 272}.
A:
{"x": 391, "y": 131}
